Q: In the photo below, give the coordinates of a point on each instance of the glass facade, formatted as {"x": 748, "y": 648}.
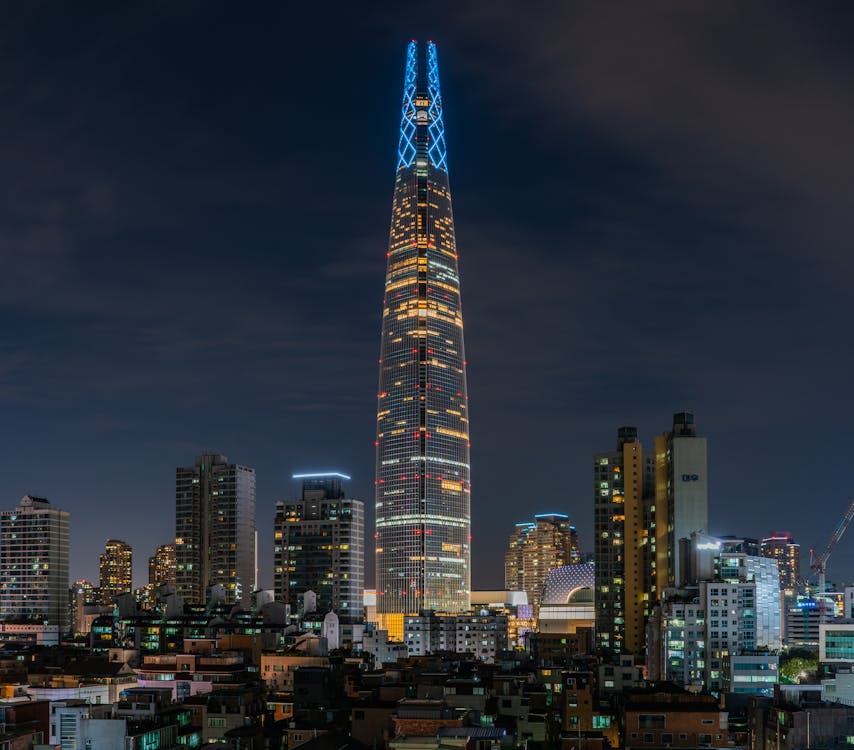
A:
{"x": 422, "y": 477}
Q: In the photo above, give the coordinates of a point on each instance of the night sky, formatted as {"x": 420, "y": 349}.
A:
{"x": 653, "y": 208}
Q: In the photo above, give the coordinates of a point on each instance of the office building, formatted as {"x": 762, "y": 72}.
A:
{"x": 115, "y": 566}
{"x": 161, "y": 567}
{"x": 34, "y": 553}
{"x": 319, "y": 546}
{"x": 423, "y": 504}
{"x": 836, "y": 643}
{"x": 536, "y": 548}
{"x": 783, "y": 549}
{"x": 215, "y": 529}
{"x": 623, "y": 544}
{"x": 681, "y": 494}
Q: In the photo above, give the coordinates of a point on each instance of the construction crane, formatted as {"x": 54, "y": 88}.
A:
{"x": 818, "y": 563}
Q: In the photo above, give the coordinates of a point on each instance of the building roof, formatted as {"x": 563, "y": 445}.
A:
{"x": 563, "y": 582}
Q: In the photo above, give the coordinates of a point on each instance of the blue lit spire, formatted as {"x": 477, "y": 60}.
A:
{"x": 437, "y": 151}
{"x": 422, "y": 110}
{"x": 406, "y": 145}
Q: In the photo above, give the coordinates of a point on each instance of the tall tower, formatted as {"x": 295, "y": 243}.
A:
{"x": 115, "y": 566}
{"x": 34, "y": 554}
{"x": 624, "y": 549}
{"x": 423, "y": 480}
{"x": 215, "y": 529}
{"x": 681, "y": 495}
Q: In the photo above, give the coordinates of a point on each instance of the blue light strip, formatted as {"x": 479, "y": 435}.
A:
{"x": 406, "y": 145}
{"x": 318, "y": 474}
{"x": 437, "y": 151}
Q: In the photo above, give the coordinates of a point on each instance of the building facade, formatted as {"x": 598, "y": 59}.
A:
{"x": 319, "y": 546}
{"x": 623, "y": 544}
{"x": 681, "y": 494}
{"x": 34, "y": 555}
{"x": 787, "y": 553}
{"x": 535, "y": 549}
{"x": 115, "y": 565}
{"x": 215, "y": 529}
{"x": 423, "y": 502}
{"x": 161, "y": 566}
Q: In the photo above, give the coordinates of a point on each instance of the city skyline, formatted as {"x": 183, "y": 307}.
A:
{"x": 716, "y": 219}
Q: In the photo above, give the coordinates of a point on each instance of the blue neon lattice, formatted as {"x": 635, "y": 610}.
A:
{"x": 437, "y": 151}
{"x": 406, "y": 144}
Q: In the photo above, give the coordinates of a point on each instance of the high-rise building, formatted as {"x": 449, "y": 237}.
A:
{"x": 215, "y": 529}
{"x": 624, "y": 543}
{"x": 535, "y": 549}
{"x": 423, "y": 514}
{"x": 787, "y": 553}
{"x": 115, "y": 565}
{"x": 681, "y": 494}
{"x": 34, "y": 553}
{"x": 161, "y": 567}
{"x": 319, "y": 546}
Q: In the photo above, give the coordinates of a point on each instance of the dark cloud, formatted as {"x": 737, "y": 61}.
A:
{"x": 652, "y": 211}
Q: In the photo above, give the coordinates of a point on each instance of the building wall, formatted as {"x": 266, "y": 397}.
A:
{"x": 34, "y": 556}
{"x": 215, "y": 529}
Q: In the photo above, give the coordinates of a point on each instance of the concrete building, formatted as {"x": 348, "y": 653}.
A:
{"x": 624, "y": 543}
{"x": 215, "y": 529}
{"x": 787, "y": 553}
{"x": 161, "y": 566}
{"x": 482, "y": 634}
{"x": 34, "y": 553}
{"x": 681, "y": 495}
{"x": 535, "y": 548}
{"x": 115, "y": 567}
{"x": 836, "y": 642}
{"x": 319, "y": 546}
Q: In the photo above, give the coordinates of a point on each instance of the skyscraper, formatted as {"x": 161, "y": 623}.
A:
{"x": 624, "y": 543}
{"x": 161, "y": 567}
{"x": 535, "y": 549}
{"x": 319, "y": 546}
{"x": 215, "y": 529}
{"x": 787, "y": 553}
{"x": 116, "y": 570}
{"x": 681, "y": 494}
{"x": 34, "y": 553}
{"x": 422, "y": 478}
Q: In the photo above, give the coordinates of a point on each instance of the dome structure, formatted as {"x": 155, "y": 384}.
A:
{"x": 569, "y": 584}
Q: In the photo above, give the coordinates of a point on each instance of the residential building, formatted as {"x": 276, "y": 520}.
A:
{"x": 319, "y": 546}
{"x": 681, "y": 495}
{"x": 34, "y": 553}
{"x": 482, "y": 634}
{"x": 663, "y": 716}
{"x": 115, "y": 566}
{"x": 215, "y": 529}
{"x": 423, "y": 505}
{"x": 623, "y": 544}
{"x": 537, "y": 547}
{"x": 787, "y": 553}
{"x": 161, "y": 567}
